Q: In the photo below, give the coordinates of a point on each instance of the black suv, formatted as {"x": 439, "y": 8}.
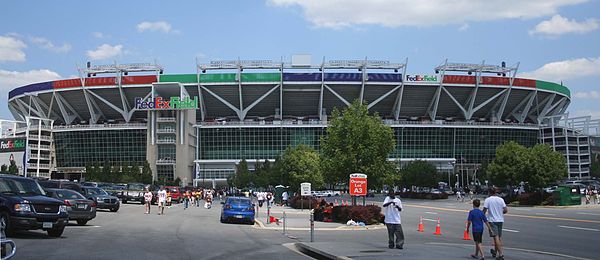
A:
{"x": 25, "y": 206}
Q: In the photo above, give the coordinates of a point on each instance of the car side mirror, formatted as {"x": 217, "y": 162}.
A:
{"x": 223, "y": 202}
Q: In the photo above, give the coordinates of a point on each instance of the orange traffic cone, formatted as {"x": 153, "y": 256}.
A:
{"x": 421, "y": 227}
{"x": 438, "y": 230}
{"x": 466, "y": 233}
{"x": 336, "y": 203}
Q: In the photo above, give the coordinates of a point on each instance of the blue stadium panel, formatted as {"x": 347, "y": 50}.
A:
{"x": 30, "y": 88}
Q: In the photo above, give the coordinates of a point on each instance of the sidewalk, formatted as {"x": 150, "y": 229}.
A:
{"x": 366, "y": 250}
{"x": 297, "y": 219}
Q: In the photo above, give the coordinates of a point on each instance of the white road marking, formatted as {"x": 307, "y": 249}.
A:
{"x": 432, "y": 220}
{"x": 545, "y": 214}
{"x": 586, "y": 213}
{"x": 580, "y": 228}
{"x": 521, "y": 209}
{"x": 510, "y": 230}
{"x": 82, "y": 226}
{"x": 433, "y": 213}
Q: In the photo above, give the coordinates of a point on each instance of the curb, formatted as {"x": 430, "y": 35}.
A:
{"x": 316, "y": 253}
{"x": 260, "y": 225}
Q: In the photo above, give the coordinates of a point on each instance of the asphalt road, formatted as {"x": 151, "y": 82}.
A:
{"x": 195, "y": 233}
{"x": 572, "y": 231}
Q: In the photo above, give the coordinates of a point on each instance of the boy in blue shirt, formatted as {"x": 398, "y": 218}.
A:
{"x": 477, "y": 218}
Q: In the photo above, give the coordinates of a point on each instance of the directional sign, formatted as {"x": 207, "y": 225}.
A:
{"x": 305, "y": 189}
{"x": 358, "y": 184}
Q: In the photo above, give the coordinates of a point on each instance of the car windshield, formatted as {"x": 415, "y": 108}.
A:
{"x": 20, "y": 187}
{"x": 68, "y": 195}
{"x": 236, "y": 201}
{"x": 105, "y": 186}
{"x": 96, "y": 191}
{"x": 136, "y": 186}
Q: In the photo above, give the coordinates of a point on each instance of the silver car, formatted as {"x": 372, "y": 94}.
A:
{"x": 79, "y": 208}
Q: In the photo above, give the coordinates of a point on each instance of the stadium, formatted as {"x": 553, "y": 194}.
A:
{"x": 198, "y": 126}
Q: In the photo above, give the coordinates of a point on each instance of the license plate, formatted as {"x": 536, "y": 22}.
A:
{"x": 81, "y": 206}
{"x": 47, "y": 225}
{"x": 239, "y": 216}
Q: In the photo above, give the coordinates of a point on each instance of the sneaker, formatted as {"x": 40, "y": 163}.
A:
{"x": 391, "y": 246}
{"x": 493, "y": 252}
{"x": 500, "y": 257}
{"x": 399, "y": 247}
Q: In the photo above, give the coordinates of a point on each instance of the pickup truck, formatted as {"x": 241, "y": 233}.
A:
{"x": 133, "y": 192}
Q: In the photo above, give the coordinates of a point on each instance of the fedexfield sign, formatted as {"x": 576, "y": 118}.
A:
{"x": 421, "y": 78}
{"x": 161, "y": 104}
{"x": 10, "y": 145}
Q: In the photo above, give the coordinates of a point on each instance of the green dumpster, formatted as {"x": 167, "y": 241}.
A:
{"x": 279, "y": 189}
{"x": 566, "y": 196}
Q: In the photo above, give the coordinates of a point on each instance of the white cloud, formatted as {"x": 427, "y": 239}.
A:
{"x": 99, "y": 35}
{"x": 396, "y": 13}
{"x": 48, "y": 45}
{"x": 593, "y": 94}
{"x": 463, "y": 27}
{"x": 11, "y": 49}
{"x": 161, "y": 26}
{"x": 105, "y": 51}
{"x": 10, "y": 80}
{"x": 558, "y": 25}
{"x": 586, "y": 112}
{"x": 567, "y": 69}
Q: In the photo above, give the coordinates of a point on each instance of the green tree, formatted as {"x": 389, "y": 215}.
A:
{"x": 302, "y": 164}
{"x": 509, "y": 165}
{"x": 544, "y": 167}
{"x": 261, "y": 176}
{"x": 595, "y": 166}
{"x": 356, "y": 142}
{"x": 4, "y": 168}
{"x": 147, "y": 176}
{"x": 241, "y": 178}
{"x": 419, "y": 173}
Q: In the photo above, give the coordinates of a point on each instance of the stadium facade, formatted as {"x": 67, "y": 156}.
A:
{"x": 198, "y": 126}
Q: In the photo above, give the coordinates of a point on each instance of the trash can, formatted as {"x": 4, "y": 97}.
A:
{"x": 566, "y": 196}
{"x": 279, "y": 189}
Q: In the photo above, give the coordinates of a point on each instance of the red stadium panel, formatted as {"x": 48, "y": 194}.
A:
{"x": 66, "y": 83}
{"x": 495, "y": 81}
{"x": 530, "y": 83}
{"x": 103, "y": 81}
{"x": 457, "y": 79}
{"x": 137, "y": 80}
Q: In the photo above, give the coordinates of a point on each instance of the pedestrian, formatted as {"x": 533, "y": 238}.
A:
{"x": 459, "y": 195}
{"x": 392, "y": 207}
{"x": 495, "y": 208}
{"x": 162, "y": 200}
{"x": 198, "y": 195}
{"x": 477, "y": 219}
{"x": 186, "y": 199}
{"x": 208, "y": 199}
{"x": 284, "y": 198}
{"x": 269, "y": 199}
{"x": 147, "y": 200}
{"x": 596, "y": 195}
{"x": 260, "y": 196}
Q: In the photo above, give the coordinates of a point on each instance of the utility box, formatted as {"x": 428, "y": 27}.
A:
{"x": 567, "y": 196}
{"x": 279, "y": 189}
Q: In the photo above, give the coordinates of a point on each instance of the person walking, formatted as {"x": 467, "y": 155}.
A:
{"x": 392, "y": 207}
{"x": 260, "y": 196}
{"x": 284, "y": 198}
{"x": 147, "y": 200}
{"x": 495, "y": 208}
{"x": 186, "y": 199}
{"x": 162, "y": 200}
{"x": 477, "y": 219}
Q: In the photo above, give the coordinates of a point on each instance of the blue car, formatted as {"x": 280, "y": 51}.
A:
{"x": 237, "y": 209}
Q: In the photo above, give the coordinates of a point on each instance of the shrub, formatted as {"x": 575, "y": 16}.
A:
{"x": 304, "y": 202}
{"x": 370, "y": 214}
{"x": 534, "y": 198}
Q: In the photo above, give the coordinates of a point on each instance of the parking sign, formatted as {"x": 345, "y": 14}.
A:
{"x": 305, "y": 189}
{"x": 358, "y": 184}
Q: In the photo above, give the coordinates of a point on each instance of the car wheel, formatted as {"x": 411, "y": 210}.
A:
{"x": 5, "y": 222}
{"x": 82, "y": 222}
{"x": 115, "y": 209}
{"x": 56, "y": 232}
{"x": 328, "y": 195}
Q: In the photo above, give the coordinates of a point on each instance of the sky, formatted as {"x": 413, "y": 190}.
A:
{"x": 553, "y": 40}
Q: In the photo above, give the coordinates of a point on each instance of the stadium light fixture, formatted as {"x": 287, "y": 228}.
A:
{"x": 481, "y": 68}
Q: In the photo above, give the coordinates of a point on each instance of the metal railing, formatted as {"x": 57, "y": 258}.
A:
{"x": 165, "y": 119}
{"x": 166, "y": 130}
{"x": 165, "y": 141}
{"x": 385, "y": 121}
{"x": 41, "y": 147}
{"x": 124, "y": 125}
{"x": 165, "y": 161}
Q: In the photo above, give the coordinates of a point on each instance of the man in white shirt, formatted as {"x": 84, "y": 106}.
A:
{"x": 284, "y": 198}
{"x": 495, "y": 207}
{"x": 148, "y": 200}
{"x": 162, "y": 200}
{"x": 391, "y": 208}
